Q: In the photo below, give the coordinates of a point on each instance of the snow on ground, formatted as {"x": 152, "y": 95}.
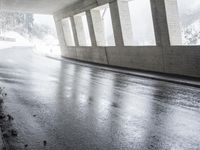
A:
{"x": 48, "y": 46}
{"x": 18, "y": 40}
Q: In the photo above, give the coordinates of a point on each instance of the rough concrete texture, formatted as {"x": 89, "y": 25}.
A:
{"x": 151, "y": 57}
{"x": 36, "y": 6}
{"x": 97, "y": 54}
{"x": 59, "y": 105}
{"x": 161, "y": 58}
{"x": 174, "y": 25}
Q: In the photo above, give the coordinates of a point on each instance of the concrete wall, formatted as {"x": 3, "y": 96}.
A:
{"x": 182, "y": 60}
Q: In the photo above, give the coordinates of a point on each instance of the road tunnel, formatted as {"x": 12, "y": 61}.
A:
{"x": 99, "y": 74}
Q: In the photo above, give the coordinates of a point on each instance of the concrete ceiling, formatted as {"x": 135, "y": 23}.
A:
{"x": 35, "y": 6}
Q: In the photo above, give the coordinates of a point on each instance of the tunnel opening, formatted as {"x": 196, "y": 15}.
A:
{"x": 117, "y": 82}
{"x": 35, "y": 31}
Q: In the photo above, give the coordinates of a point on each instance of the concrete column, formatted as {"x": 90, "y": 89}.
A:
{"x": 160, "y": 23}
{"x": 98, "y": 28}
{"x": 116, "y": 23}
{"x": 126, "y": 22}
{"x": 68, "y": 34}
{"x": 80, "y": 30}
{"x": 60, "y": 35}
{"x": 74, "y": 31}
{"x": 91, "y": 28}
{"x": 173, "y": 22}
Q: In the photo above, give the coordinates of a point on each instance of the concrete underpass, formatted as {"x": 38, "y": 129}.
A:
{"x": 107, "y": 90}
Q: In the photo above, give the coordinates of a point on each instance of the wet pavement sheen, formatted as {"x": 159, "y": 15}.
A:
{"x": 85, "y": 108}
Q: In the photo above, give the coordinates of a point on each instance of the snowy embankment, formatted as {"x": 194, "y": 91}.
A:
{"x": 47, "y": 46}
{"x": 18, "y": 40}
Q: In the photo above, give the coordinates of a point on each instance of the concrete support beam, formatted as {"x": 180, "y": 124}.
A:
{"x": 173, "y": 22}
{"x": 99, "y": 28}
{"x": 91, "y": 28}
{"x": 116, "y": 23}
{"x": 74, "y": 31}
{"x": 160, "y": 23}
{"x": 80, "y": 30}
{"x": 160, "y": 27}
{"x": 126, "y": 22}
{"x": 60, "y": 35}
{"x": 68, "y": 33}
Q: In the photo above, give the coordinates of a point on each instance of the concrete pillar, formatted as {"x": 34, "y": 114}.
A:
{"x": 98, "y": 28}
{"x": 80, "y": 30}
{"x": 68, "y": 33}
{"x": 91, "y": 28}
{"x": 60, "y": 35}
{"x": 74, "y": 31}
{"x": 160, "y": 23}
{"x": 173, "y": 22}
{"x": 116, "y": 23}
{"x": 126, "y": 22}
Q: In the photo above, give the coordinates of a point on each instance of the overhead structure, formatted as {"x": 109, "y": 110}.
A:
{"x": 35, "y": 6}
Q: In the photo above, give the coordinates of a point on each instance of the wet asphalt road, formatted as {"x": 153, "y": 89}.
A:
{"x": 85, "y": 108}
